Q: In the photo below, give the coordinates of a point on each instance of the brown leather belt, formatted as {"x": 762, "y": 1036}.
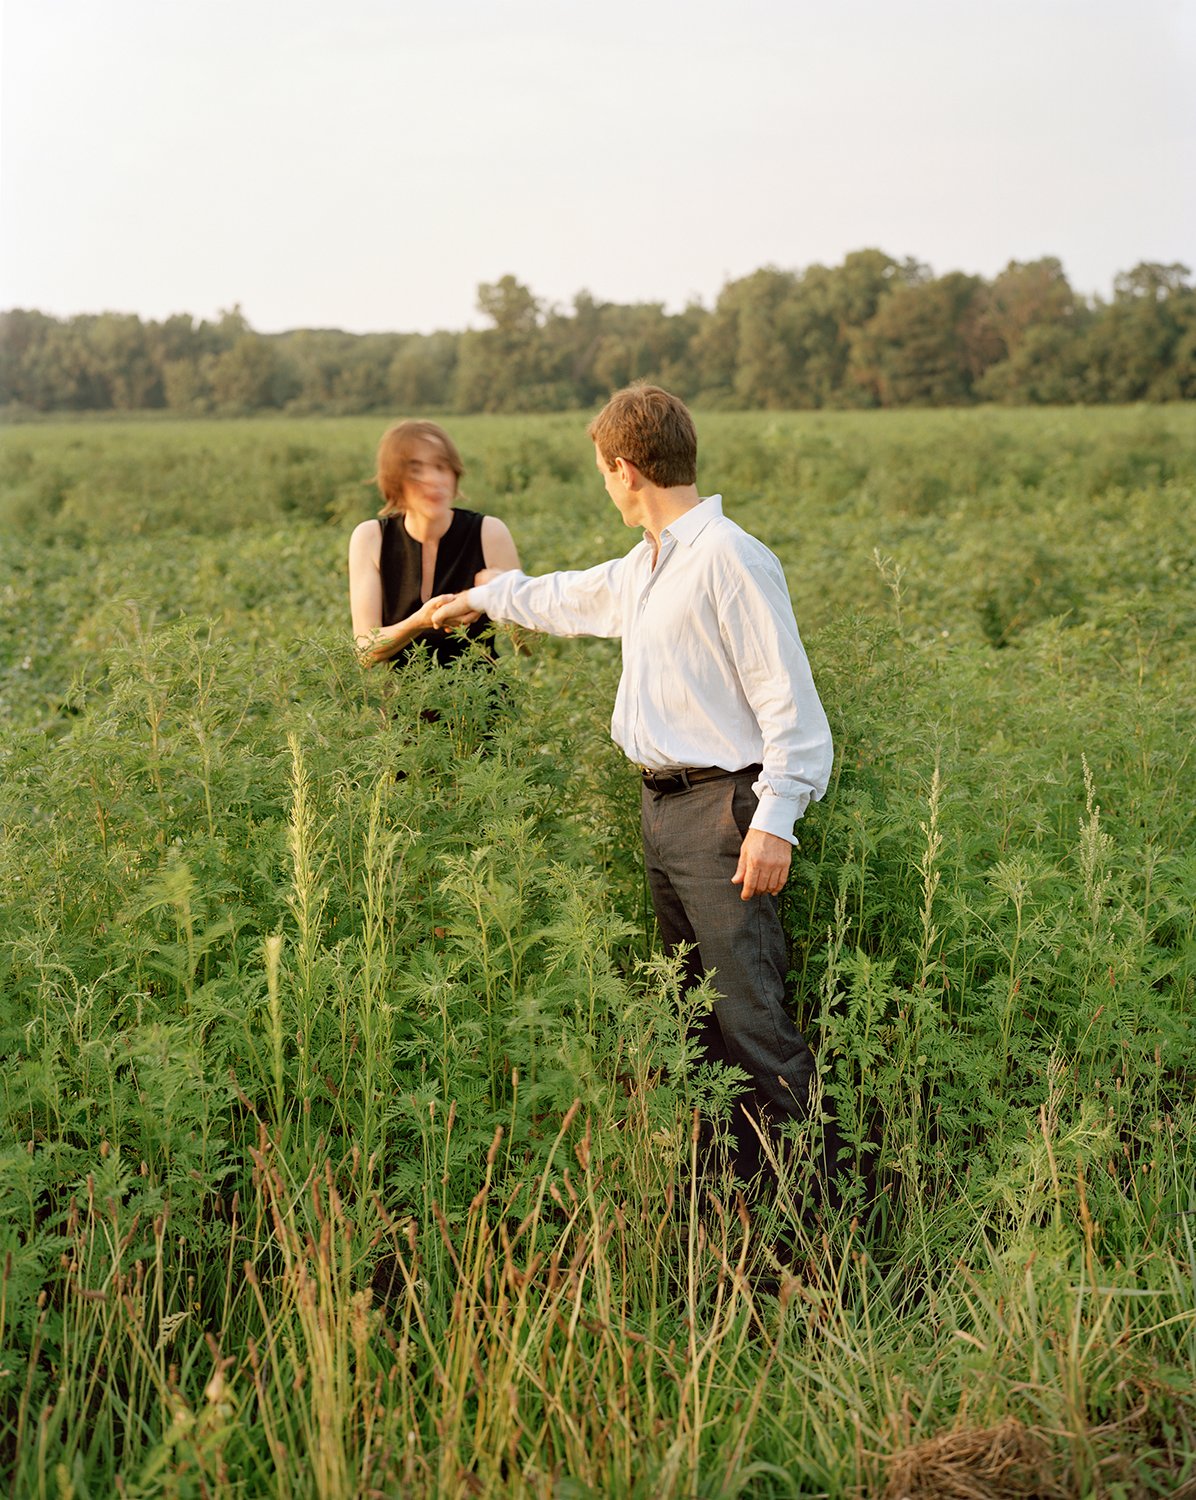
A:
{"x": 666, "y": 782}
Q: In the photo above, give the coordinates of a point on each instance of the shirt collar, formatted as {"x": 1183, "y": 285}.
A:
{"x": 689, "y": 526}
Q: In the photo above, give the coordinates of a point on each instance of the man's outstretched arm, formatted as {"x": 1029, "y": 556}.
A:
{"x": 572, "y": 603}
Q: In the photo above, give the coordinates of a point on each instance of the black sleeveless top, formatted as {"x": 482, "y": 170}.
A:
{"x": 458, "y": 558}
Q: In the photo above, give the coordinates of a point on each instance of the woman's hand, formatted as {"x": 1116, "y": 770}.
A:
{"x": 453, "y": 610}
{"x": 385, "y": 641}
{"x": 423, "y": 618}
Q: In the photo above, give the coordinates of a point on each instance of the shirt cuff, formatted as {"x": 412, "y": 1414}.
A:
{"x": 491, "y": 598}
{"x": 777, "y": 815}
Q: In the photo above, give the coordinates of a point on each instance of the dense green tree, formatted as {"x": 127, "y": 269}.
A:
{"x": 1040, "y": 325}
{"x": 1134, "y": 340}
{"x": 714, "y": 352}
{"x": 578, "y": 338}
{"x": 783, "y": 339}
{"x": 768, "y": 354}
{"x": 812, "y": 325}
{"x": 21, "y": 335}
{"x": 420, "y": 375}
{"x": 1048, "y": 367}
{"x": 362, "y": 383}
{"x": 865, "y": 279}
{"x": 123, "y": 359}
{"x": 1152, "y": 282}
{"x": 174, "y": 338}
{"x": 1179, "y": 384}
{"x": 174, "y": 346}
{"x": 186, "y": 386}
{"x": 498, "y": 367}
{"x": 251, "y": 375}
{"x": 838, "y": 303}
{"x": 871, "y": 331}
{"x": 929, "y": 343}
{"x": 316, "y": 355}
{"x": 60, "y": 371}
{"x": 1027, "y": 295}
{"x": 639, "y": 341}
{"x": 752, "y": 349}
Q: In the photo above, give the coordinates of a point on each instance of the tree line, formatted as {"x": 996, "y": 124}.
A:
{"x": 872, "y": 332}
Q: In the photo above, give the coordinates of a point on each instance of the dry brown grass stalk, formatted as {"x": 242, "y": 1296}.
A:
{"x": 1006, "y": 1462}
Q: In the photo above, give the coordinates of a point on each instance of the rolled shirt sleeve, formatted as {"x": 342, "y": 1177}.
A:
{"x": 761, "y": 638}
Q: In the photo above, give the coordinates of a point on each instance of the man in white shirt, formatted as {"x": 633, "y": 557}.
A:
{"x": 717, "y": 706}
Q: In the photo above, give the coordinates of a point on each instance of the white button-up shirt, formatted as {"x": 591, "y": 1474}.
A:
{"x": 714, "y": 672}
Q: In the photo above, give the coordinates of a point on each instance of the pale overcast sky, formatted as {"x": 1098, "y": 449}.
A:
{"x": 364, "y": 164}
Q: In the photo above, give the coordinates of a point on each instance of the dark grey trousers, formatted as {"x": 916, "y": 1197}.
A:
{"x": 691, "y": 848}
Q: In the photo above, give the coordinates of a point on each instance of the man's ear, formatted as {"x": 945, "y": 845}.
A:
{"x": 628, "y": 473}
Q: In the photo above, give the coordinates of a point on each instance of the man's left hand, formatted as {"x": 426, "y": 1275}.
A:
{"x": 763, "y": 864}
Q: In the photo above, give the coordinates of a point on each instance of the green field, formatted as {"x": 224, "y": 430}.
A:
{"x": 297, "y": 979}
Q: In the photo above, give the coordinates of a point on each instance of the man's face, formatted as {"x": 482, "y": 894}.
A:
{"x": 621, "y": 495}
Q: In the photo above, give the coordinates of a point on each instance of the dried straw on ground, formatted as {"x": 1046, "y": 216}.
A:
{"x": 1007, "y": 1462}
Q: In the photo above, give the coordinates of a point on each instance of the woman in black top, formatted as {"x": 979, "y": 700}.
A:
{"x": 421, "y": 551}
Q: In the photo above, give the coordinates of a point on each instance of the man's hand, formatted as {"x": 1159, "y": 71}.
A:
{"x": 424, "y": 617}
{"x": 763, "y": 864}
{"x": 454, "y": 610}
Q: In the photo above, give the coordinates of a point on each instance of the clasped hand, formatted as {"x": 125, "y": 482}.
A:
{"x": 448, "y": 610}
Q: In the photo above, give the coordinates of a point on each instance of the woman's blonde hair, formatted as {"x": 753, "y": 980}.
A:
{"x": 395, "y": 452}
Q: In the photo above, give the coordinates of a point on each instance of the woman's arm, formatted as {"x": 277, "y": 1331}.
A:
{"x": 498, "y": 550}
{"x": 377, "y": 642}
{"x": 498, "y": 547}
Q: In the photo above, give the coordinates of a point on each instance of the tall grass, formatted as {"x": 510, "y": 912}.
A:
{"x": 350, "y": 1108}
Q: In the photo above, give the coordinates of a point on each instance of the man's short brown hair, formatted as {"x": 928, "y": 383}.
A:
{"x": 652, "y": 430}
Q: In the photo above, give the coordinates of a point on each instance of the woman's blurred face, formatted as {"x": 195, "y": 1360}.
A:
{"x": 429, "y": 484}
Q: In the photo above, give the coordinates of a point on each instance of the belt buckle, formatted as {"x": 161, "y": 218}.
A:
{"x": 665, "y": 783}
